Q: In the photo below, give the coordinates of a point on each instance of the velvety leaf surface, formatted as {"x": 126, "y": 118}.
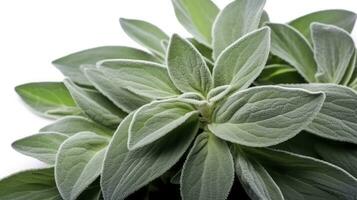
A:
{"x": 70, "y": 64}
{"x": 288, "y": 44}
{"x": 241, "y": 63}
{"x": 187, "y": 67}
{"x": 333, "y": 48}
{"x": 145, "y": 34}
{"x": 143, "y": 78}
{"x": 155, "y": 120}
{"x": 278, "y": 74}
{"x": 235, "y": 20}
{"x": 30, "y": 185}
{"x": 342, "y": 18}
{"x": 197, "y": 17}
{"x": 125, "y": 172}
{"x": 95, "y": 105}
{"x": 42, "y": 146}
{"x": 208, "y": 172}
{"x": 265, "y": 116}
{"x": 79, "y": 163}
{"x": 49, "y": 99}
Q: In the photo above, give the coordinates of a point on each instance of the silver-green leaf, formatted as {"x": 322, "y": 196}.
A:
{"x": 241, "y": 63}
{"x": 234, "y": 21}
{"x": 208, "y": 171}
{"x": 265, "y": 116}
{"x": 187, "y": 68}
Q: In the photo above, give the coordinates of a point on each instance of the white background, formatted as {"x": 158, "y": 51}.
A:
{"x": 35, "y": 32}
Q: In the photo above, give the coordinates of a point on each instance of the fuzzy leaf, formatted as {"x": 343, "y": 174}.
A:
{"x": 264, "y": 19}
{"x": 288, "y": 44}
{"x": 301, "y": 177}
{"x": 342, "y": 18}
{"x": 337, "y": 118}
{"x": 145, "y": 34}
{"x": 30, "y": 185}
{"x": 143, "y": 78}
{"x": 334, "y": 48}
{"x": 79, "y": 163}
{"x": 125, "y": 171}
{"x": 74, "y": 124}
{"x": 351, "y": 72}
{"x": 197, "y": 17}
{"x": 234, "y": 21}
{"x": 70, "y": 64}
{"x": 155, "y": 120}
{"x": 208, "y": 172}
{"x": 265, "y": 116}
{"x": 187, "y": 67}
{"x": 256, "y": 181}
{"x": 43, "y": 146}
{"x": 241, "y": 63}
{"x": 49, "y": 99}
{"x": 278, "y": 74}
{"x": 95, "y": 105}
{"x": 121, "y": 97}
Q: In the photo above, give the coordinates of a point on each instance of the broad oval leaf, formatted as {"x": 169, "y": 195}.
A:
{"x": 145, "y": 34}
{"x": 334, "y": 48}
{"x": 70, "y": 64}
{"x": 279, "y": 74}
{"x": 79, "y": 163}
{"x": 143, "y": 78}
{"x": 74, "y": 124}
{"x": 95, "y": 105}
{"x": 342, "y": 18}
{"x": 288, "y": 44}
{"x": 121, "y": 97}
{"x": 187, "y": 68}
{"x": 301, "y": 177}
{"x": 337, "y": 118}
{"x": 30, "y": 185}
{"x": 208, "y": 171}
{"x": 234, "y": 21}
{"x": 42, "y": 146}
{"x": 256, "y": 181}
{"x": 125, "y": 171}
{"x": 241, "y": 63}
{"x": 265, "y": 115}
{"x": 155, "y": 120}
{"x": 49, "y": 99}
{"x": 197, "y": 17}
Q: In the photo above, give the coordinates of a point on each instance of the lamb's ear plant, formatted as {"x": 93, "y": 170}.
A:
{"x": 195, "y": 119}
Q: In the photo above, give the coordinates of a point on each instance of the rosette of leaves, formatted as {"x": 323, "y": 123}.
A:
{"x": 130, "y": 122}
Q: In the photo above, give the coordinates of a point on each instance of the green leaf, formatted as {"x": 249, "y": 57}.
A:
{"x": 95, "y": 105}
{"x": 256, "y": 181}
{"x": 234, "y": 21}
{"x": 49, "y": 99}
{"x": 204, "y": 50}
{"x": 288, "y": 44}
{"x": 264, "y": 19}
{"x": 30, "y": 185}
{"x": 70, "y": 64}
{"x": 301, "y": 177}
{"x": 351, "y": 72}
{"x": 43, "y": 146}
{"x": 74, "y": 124}
{"x": 278, "y": 74}
{"x": 342, "y": 18}
{"x": 187, "y": 68}
{"x": 336, "y": 119}
{"x": 145, "y": 34}
{"x": 143, "y": 78}
{"x": 334, "y": 48}
{"x": 125, "y": 171}
{"x": 197, "y": 17}
{"x": 121, "y": 97}
{"x": 208, "y": 171}
{"x": 155, "y": 120}
{"x": 265, "y": 116}
{"x": 79, "y": 163}
{"x": 241, "y": 63}
{"x": 93, "y": 192}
